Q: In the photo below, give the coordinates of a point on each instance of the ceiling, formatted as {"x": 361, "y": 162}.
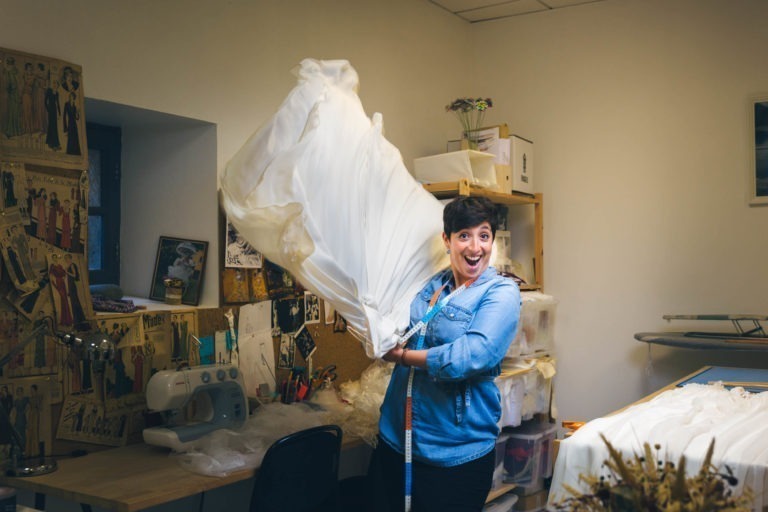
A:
{"x": 475, "y": 11}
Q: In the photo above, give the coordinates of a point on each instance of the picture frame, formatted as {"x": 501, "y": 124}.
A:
{"x": 758, "y": 155}
{"x": 182, "y": 259}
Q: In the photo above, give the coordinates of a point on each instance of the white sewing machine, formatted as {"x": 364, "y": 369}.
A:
{"x": 195, "y": 401}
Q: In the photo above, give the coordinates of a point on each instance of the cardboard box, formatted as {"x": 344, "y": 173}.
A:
{"x": 536, "y": 501}
{"x": 494, "y": 140}
{"x": 504, "y": 177}
{"x": 521, "y": 160}
{"x": 475, "y": 166}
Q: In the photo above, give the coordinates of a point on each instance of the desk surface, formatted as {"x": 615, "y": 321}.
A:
{"x": 123, "y": 479}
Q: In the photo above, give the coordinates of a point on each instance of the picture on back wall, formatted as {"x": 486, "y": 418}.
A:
{"x": 183, "y": 260}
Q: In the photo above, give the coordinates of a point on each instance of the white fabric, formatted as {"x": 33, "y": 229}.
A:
{"x": 682, "y": 421}
{"x": 320, "y": 191}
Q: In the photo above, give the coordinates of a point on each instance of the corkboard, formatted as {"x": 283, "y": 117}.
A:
{"x": 339, "y": 348}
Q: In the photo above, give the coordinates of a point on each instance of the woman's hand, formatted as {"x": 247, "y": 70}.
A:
{"x": 395, "y": 355}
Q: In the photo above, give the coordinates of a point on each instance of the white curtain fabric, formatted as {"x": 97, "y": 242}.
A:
{"x": 320, "y": 191}
{"x": 682, "y": 421}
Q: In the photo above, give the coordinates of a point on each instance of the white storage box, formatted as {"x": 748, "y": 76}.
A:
{"x": 521, "y": 159}
{"x": 536, "y": 329}
{"x": 475, "y": 166}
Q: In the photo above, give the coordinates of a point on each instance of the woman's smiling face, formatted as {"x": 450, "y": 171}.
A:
{"x": 470, "y": 251}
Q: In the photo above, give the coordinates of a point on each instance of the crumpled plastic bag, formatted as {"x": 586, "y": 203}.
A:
{"x": 320, "y": 192}
{"x": 224, "y": 451}
{"x": 365, "y": 397}
{"x": 355, "y": 409}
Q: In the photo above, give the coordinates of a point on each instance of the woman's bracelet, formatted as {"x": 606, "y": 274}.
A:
{"x": 402, "y": 357}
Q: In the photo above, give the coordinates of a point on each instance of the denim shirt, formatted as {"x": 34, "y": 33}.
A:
{"x": 456, "y": 403}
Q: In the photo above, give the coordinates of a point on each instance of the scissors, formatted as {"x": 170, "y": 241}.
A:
{"x": 324, "y": 375}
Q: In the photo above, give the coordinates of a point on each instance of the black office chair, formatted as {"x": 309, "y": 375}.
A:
{"x": 300, "y": 473}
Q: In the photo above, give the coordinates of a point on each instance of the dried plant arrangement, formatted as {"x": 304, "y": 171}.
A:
{"x": 646, "y": 483}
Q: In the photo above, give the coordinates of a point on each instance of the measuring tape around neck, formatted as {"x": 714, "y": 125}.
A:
{"x": 421, "y": 327}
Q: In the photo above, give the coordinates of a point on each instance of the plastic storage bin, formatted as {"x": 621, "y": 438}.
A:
{"x": 528, "y": 454}
{"x": 498, "y": 470}
{"x": 475, "y": 166}
{"x": 536, "y": 331}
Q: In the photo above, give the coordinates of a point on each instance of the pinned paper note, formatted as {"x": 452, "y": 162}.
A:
{"x": 257, "y": 352}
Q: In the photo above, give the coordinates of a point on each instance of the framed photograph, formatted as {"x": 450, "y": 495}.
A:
{"x": 180, "y": 259}
{"x": 758, "y": 126}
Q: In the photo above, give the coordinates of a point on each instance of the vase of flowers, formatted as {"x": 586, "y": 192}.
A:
{"x": 470, "y": 113}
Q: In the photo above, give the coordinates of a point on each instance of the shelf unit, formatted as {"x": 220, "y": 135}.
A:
{"x": 446, "y": 190}
{"x": 499, "y": 491}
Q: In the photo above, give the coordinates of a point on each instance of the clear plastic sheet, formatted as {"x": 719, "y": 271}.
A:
{"x": 320, "y": 191}
{"x": 355, "y": 409}
{"x": 365, "y": 397}
{"x": 223, "y": 451}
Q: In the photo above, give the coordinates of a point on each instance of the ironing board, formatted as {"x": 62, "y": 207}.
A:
{"x": 748, "y": 334}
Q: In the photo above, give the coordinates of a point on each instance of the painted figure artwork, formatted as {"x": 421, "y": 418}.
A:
{"x": 154, "y": 354}
{"x": 183, "y": 346}
{"x": 42, "y": 354}
{"x": 17, "y": 257}
{"x": 69, "y": 289}
{"x": 85, "y": 419}
{"x": 57, "y": 209}
{"x": 41, "y": 110}
{"x": 13, "y": 189}
{"x": 125, "y": 332}
{"x": 27, "y": 401}
{"x": 259, "y": 290}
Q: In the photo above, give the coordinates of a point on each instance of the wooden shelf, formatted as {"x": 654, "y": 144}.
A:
{"x": 450, "y": 189}
{"x": 503, "y": 489}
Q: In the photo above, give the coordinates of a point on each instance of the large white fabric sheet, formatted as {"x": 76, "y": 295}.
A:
{"x": 683, "y": 421}
{"x": 320, "y": 191}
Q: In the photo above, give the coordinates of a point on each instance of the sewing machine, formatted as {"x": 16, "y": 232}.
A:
{"x": 195, "y": 401}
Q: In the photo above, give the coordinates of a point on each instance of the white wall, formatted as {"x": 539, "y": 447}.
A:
{"x": 638, "y": 112}
{"x": 229, "y": 64}
{"x": 637, "y": 109}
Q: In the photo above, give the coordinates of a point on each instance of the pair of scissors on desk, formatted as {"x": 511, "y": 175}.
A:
{"x": 323, "y": 377}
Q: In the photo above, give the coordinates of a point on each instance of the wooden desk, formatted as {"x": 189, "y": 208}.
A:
{"x": 123, "y": 479}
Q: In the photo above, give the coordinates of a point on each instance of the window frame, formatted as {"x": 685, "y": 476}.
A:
{"x": 107, "y": 140}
